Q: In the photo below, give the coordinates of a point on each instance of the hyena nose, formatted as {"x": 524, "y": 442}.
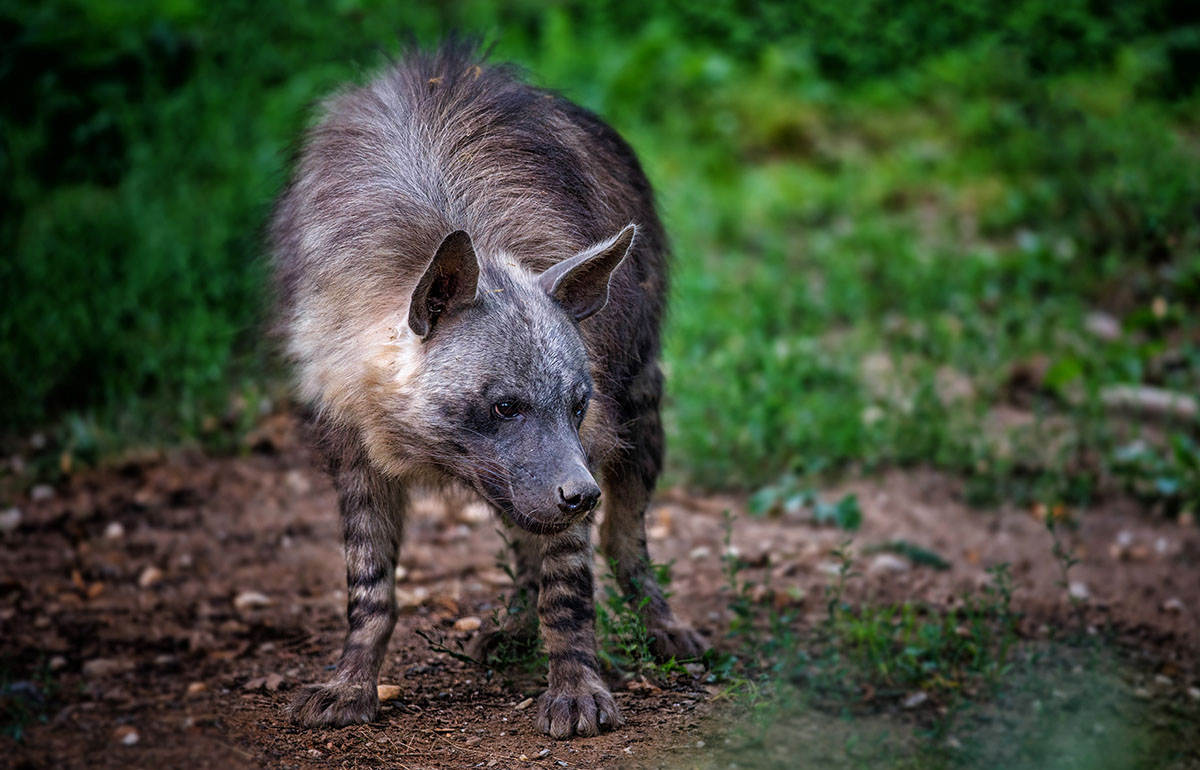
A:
{"x": 578, "y": 496}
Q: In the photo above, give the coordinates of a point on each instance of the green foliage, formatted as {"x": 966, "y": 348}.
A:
{"x": 1169, "y": 477}
{"x": 624, "y": 642}
{"x": 788, "y": 496}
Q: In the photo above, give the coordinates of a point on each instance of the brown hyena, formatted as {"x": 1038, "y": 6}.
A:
{"x": 471, "y": 277}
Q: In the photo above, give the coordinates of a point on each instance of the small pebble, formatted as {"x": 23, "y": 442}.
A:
{"x": 126, "y": 735}
{"x": 10, "y": 520}
{"x": 57, "y": 663}
{"x": 150, "y": 577}
{"x": 888, "y": 563}
{"x": 251, "y": 600}
{"x": 1079, "y": 591}
{"x": 700, "y": 552}
{"x": 387, "y": 692}
{"x": 1194, "y": 693}
{"x": 543, "y": 753}
{"x": 916, "y": 699}
{"x": 523, "y": 758}
{"x": 114, "y": 531}
{"x": 1162, "y": 680}
{"x": 524, "y": 704}
{"x": 297, "y": 483}
{"x": 100, "y": 667}
{"x": 195, "y": 688}
{"x": 41, "y": 493}
{"x": 467, "y": 624}
{"x": 1173, "y": 606}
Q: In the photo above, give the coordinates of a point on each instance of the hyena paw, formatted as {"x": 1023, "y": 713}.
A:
{"x": 673, "y": 639}
{"x": 335, "y": 704}
{"x": 582, "y": 709}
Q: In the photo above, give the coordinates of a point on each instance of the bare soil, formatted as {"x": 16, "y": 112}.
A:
{"x": 118, "y": 615}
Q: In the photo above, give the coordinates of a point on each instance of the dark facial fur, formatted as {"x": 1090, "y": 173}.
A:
{"x": 465, "y": 301}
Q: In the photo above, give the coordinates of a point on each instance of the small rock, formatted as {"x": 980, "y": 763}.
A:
{"x": 468, "y": 624}
{"x": 658, "y": 532}
{"x": 524, "y": 704}
{"x": 1103, "y": 326}
{"x": 1141, "y": 693}
{"x": 41, "y": 493}
{"x": 126, "y": 735}
{"x": 297, "y": 483}
{"x": 57, "y": 663}
{"x": 543, "y": 753}
{"x": 247, "y": 600}
{"x": 695, "y": 669}
{"x": 1173, "y": 606}
{"x": 1194, "y": 693}
{"x": 410, "y": 600}
{"x": 1079, "y": 591}
{"x": 10, "y": 520}
{"x": 272, "y": 682}
{"x": 387, "y": 692}
{"x": 888, "y": 563}
{"x": 700, "y": 552}
{"x": 114, "y": 531}
{"x": 401, "y": 572}
{"x": 195, "y": 688}
{"x": 101, "y": 667}
{"x": 916, "y": 699}
{"x": 474, "y": 740}
{"x": 150, "y": 577}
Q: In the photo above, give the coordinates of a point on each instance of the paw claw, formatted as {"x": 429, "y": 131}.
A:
{"x": 582, "y": 710}
{"x": 335, "y": 704}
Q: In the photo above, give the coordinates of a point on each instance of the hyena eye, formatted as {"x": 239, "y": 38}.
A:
{"x": 506, "y": 410}
{"x": 580, "y": 410}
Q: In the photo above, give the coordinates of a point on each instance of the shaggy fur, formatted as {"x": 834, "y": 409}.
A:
{"x": 471, "y": 278}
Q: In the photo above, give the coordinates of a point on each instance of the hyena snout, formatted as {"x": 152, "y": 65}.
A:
{"x": 578, "y": 496}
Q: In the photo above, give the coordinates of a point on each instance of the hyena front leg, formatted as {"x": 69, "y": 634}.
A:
{"x": 629, "y": 476}
{"x": 372, "y": 509}
{"x": 576, "y": 702}
{"x": 518, "y": 632}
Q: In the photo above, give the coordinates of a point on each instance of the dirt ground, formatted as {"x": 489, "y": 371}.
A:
{"x": 160, "y": 613}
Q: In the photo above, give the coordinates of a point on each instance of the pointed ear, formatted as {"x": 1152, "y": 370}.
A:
{"x": 580, "y": 283}
{"x": 448, "y": 283}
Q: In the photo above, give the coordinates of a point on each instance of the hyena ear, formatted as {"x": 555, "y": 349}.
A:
{"x": 580, "y": 283}
{"x": 448, "y": 283}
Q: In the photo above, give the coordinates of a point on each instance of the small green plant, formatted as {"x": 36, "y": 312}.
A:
{"x": 1167, "y": 476}
{"x": 624, "y": 641}
{"x": 790, "y": 497}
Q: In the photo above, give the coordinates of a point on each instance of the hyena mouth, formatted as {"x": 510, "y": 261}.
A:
{"x": 501, "y": 500}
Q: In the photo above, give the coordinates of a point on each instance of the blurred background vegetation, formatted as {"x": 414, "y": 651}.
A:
{"x": 932, "y": 232}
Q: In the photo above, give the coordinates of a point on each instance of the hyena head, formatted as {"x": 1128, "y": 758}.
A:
{"x": 504, "y": 382}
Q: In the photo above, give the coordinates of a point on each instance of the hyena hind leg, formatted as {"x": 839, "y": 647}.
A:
{"x": 516, "y": 638}
{"x": 629, "y": 476}
{"x": 372, "y": 509}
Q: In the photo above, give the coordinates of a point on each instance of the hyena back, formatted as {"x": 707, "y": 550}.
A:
{"x": 471, "y": 277}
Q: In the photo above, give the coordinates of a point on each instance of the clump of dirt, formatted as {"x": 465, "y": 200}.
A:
{"x": 160, "y": 612}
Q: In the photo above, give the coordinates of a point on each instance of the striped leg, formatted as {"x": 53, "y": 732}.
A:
{"x": 629, "y": 476}
{"x": 372, "y": 508}
{"x": 577, "y": 702}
